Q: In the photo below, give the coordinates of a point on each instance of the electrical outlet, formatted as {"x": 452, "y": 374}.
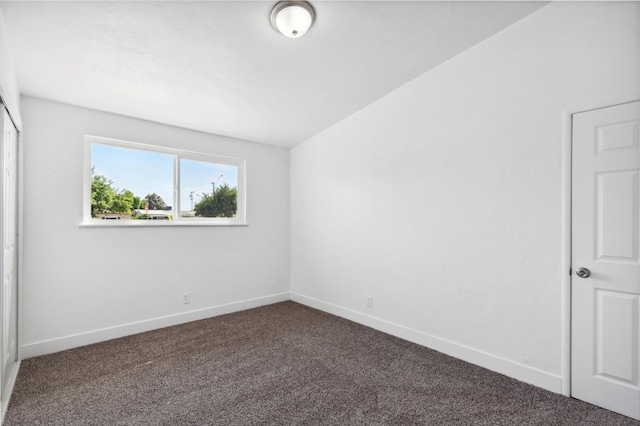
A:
{"x": 369, "y": 301}
{"x": 186, "y": 298}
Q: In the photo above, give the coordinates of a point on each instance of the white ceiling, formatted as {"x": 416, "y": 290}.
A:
{"x": 220, "y": 67}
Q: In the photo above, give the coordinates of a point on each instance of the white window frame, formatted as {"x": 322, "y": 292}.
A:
{"x": 178, "y": 154}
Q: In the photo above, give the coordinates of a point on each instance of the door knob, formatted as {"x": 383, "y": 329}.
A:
{"x": 583, "y": 272}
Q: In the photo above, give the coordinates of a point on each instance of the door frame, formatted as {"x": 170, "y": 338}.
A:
{"x": 15, "y": 118}
{"x": 565, "y": 238}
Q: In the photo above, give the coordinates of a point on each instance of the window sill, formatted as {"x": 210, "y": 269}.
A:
{"x": 154, "y": 224}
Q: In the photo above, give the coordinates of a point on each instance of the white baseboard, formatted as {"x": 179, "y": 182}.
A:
{"x": 73, "y": 341}
{"x": 6, "y": 397}
{"x": 492, "y": 362}
{"x": 495, "y": 363}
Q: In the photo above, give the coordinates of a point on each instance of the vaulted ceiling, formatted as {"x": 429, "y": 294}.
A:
{"x": 220, "y": 67}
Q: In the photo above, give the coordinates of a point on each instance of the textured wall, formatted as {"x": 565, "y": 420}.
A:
{"x": 442, "y": 200}
{"x": 8, "y": 84}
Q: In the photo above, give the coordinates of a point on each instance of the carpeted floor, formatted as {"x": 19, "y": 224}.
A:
{"x": 280, "y": 364}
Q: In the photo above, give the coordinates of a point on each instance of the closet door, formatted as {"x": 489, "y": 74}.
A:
{"x": 9, "y": 263}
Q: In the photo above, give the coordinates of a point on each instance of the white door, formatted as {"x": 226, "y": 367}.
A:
{"x": 9, "y": 263}
{"x": 605, "y": 282}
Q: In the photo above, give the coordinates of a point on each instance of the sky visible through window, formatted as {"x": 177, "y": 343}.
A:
{"x": 200, "y": 177}
{"x": 145, "y": 172}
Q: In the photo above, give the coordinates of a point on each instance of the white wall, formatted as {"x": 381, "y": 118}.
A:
{"x": 8, "y": 85}
{"x": 82, "y": 285}
{"x": 443, "y": 200}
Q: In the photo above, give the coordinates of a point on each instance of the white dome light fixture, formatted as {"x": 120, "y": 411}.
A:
{"x": 292, "y": 18}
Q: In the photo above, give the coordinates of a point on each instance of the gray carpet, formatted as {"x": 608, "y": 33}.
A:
{"x": 280, "y": 364}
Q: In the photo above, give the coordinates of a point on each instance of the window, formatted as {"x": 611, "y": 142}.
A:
{"x": 128, "y": 183}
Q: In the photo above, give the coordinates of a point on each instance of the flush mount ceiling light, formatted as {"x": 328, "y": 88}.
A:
{"x": 292, "y": 18}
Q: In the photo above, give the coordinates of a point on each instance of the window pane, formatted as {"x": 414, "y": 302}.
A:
{"x": 124, "y": 181}
{"x": 208, "y": 189}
